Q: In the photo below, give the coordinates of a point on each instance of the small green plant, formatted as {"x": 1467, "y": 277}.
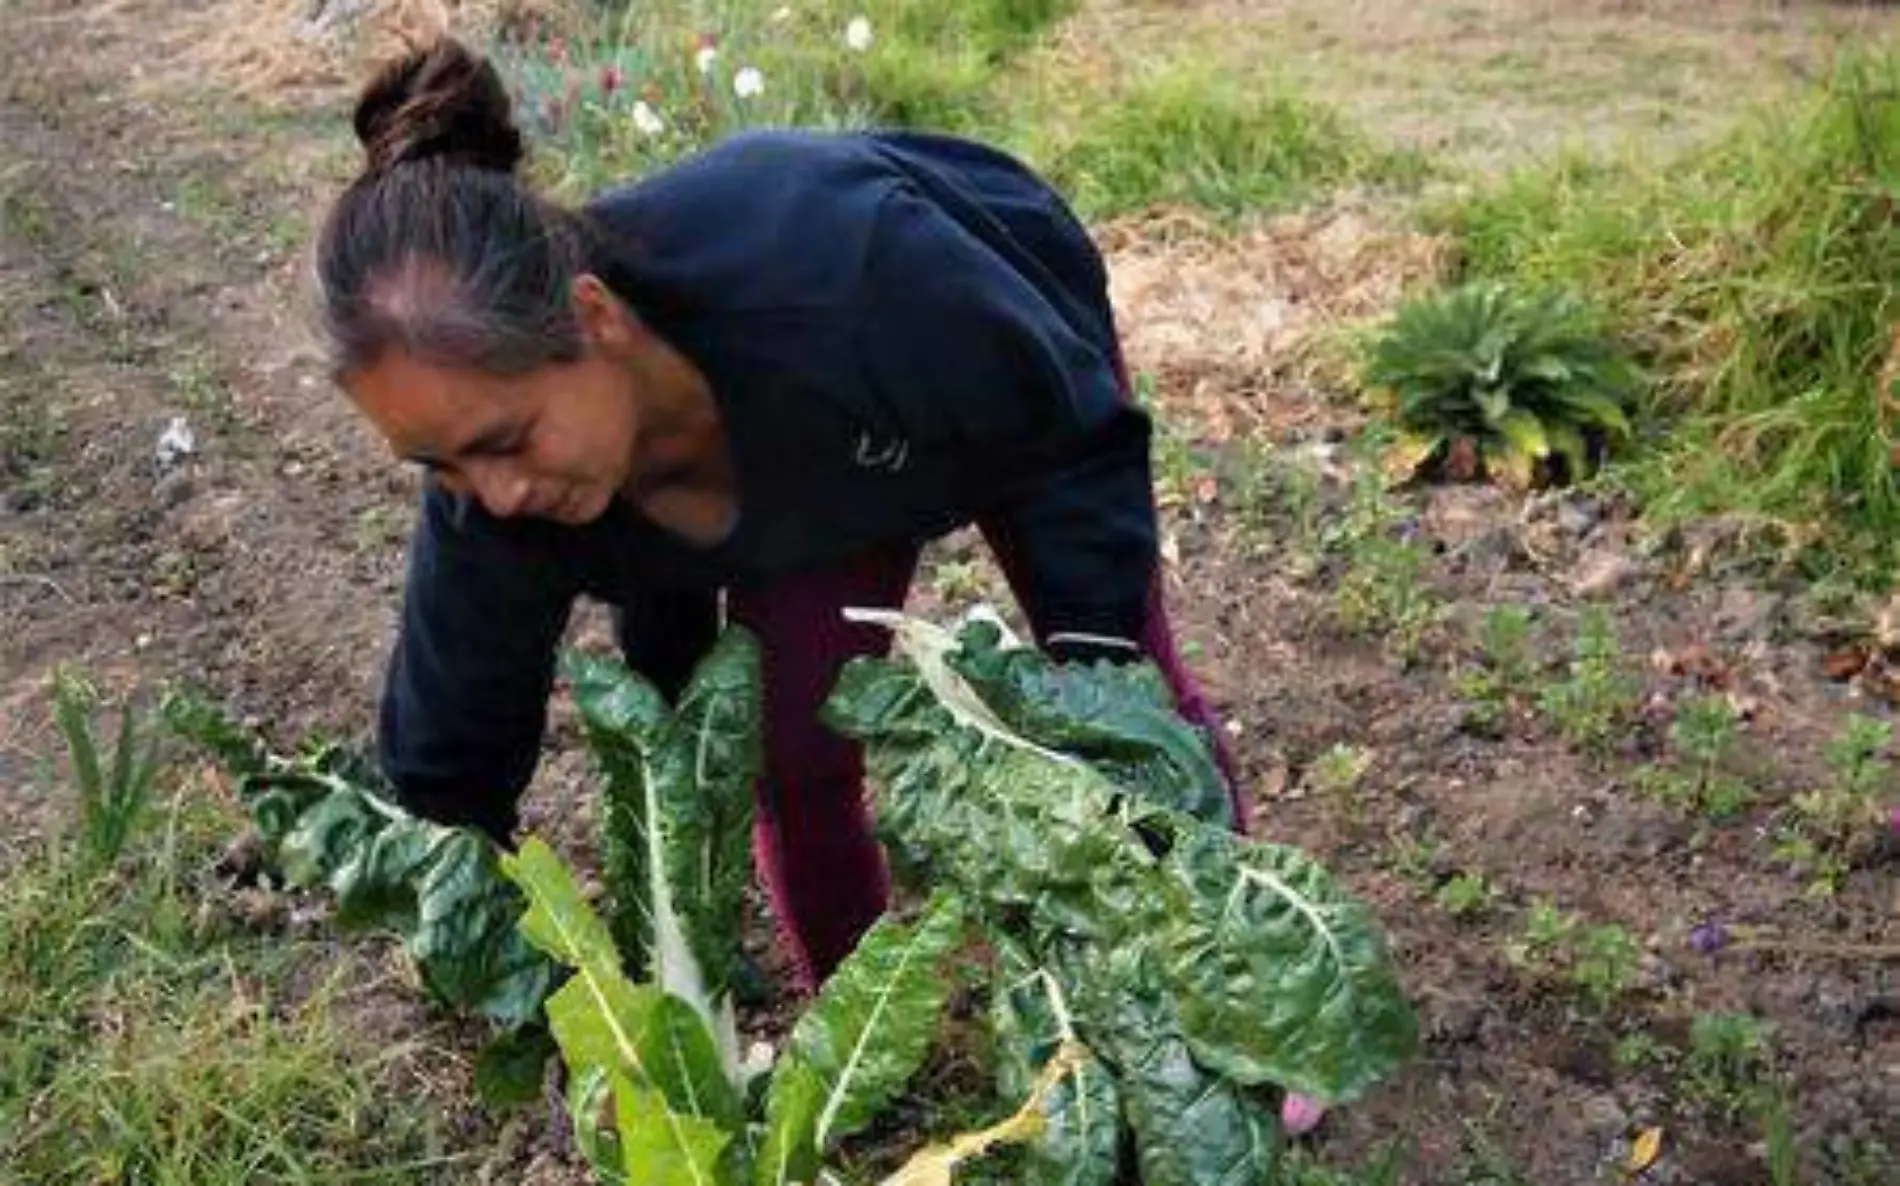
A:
{"x": 1600, "y": 961}
{"x": 1503, "y": 676}
{"x": 1827, "y": 829}
{"x": 1604, "y": 964}
{"x": 1548, "y": 933}
{"x": 1638, "y": 1049}
{"x": 1484, "y": 380}
{"x": 1597, "y": 694}
{"x": 1466, "y": 895}
{"x": 1382, "y": 589}
{"x": 1726, "y": 1066}
{"x": 1703, "y": 736}
{"x": 115, "y": 792}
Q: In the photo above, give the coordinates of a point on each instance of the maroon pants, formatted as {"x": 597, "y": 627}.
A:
{"x": 822, "y": 869}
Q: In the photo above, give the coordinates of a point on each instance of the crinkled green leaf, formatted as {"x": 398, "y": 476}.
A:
{"x": 1282, "y": 977}
{"x": 1065, "y": 860}
{"x": 327, "y": 821}
{"x": 1192, "y": 1127}
{"x": 510, "y": 1068}
{"x": 1119, "y": 718}
{"x": 679, "y": 795}
{"x": 871, "y": 1025}
{"x": 1031, "y": 1018}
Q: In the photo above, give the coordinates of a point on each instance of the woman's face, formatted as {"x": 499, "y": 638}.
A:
{"x": 556, "y": 443}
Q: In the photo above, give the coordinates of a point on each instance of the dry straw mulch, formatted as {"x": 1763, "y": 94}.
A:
{"x": 1241, "y": 330}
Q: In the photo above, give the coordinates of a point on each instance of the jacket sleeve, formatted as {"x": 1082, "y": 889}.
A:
{"x": 968, "y": 353}
{"x": 466, "y": 689}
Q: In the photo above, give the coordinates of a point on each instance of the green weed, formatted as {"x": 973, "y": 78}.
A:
{"x": 1600, "y": 961}
{"x": 1703, "y": 737}
{"x": 1826, "y": 829}
{"x": 1597, "y": 695}
{"x": 1503, "y": 677}
{"x": 1382, "y": 589}
{"x": 1466, "y": 895}
{"x": 115, "y": 789}
{"x": 1726, "y": 1066}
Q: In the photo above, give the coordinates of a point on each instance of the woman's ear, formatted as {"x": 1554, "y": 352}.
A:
{"x": 605, "y": 320}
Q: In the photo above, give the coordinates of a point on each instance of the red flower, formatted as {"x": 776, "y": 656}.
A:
{"x": 611, "y": 79}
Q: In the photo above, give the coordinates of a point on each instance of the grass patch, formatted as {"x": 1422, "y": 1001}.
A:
{"x": 1756, "y": 276}
{"x": 145, "y": 1039}
{"x": 1185, "y": 135}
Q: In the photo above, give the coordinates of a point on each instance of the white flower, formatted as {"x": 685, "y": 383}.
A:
{"x": 857, "y": 34}
{"x": 748, "y": 82}
{"x": 782, "y": 14}
{"x": 705, "y": 57}
{"x": 646, "y": 119}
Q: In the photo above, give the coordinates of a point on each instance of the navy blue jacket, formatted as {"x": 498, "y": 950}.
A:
{"x": 904, "y": 333}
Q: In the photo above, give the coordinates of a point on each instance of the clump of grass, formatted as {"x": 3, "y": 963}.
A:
{"x": 144, "y": 1038}
{"x": 1756, "y": 276}
{"x": 1185, "y": 136}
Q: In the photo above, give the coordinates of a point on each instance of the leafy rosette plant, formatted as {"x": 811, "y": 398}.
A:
{"x": 1201, "y": 972}
{"x": 1482, "y": 379}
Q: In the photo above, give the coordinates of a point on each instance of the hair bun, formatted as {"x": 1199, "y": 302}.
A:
{"x": 440, "y": 101}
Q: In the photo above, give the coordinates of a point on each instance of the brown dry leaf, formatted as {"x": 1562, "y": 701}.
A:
{"x": 1644, "y": 1152}
{"x": 1461, "y": 460}
{"x": 1845, "y": 663}
{"x": 1695, "y": 661}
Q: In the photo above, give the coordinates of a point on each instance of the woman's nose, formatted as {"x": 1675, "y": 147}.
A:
{"x": 503, "y": 490}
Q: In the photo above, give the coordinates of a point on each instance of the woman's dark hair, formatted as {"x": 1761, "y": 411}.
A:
{"x": 439, "y": 248}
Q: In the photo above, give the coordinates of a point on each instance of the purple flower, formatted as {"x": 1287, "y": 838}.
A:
{"x": 1708, "y": 937}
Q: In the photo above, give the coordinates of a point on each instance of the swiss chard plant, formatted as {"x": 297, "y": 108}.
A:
{"x": 1156, "y": 980}
{"x": 1075, "y": 815}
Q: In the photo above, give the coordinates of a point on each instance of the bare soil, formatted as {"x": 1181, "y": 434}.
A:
{"x": 151, "y": 267}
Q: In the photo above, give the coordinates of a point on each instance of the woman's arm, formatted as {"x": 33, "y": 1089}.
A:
{"x": 466, "y": 689}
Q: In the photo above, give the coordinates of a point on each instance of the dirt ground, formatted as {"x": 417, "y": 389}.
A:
{"x": 150, "y": 269}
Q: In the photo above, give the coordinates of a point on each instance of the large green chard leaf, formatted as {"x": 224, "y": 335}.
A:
{"x": 1120, "y": 718}
{"x": 327, "y": 820}
{"x": 1055, "y": 853}
{"x": 1192, "y": 1127}
{"x": 603, "y": 1020}
{"x": 679, "y": 818}
{"x": 1032, "y": 1019}
{"x": 1281, "y": 976}
{"x": 871, "y": 1025}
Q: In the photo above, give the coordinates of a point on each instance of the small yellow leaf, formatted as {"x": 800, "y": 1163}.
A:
{"x": 1514, "y": 469}
{"x": 1645, "y": 1150}
{"x": 1405, "y": 455}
